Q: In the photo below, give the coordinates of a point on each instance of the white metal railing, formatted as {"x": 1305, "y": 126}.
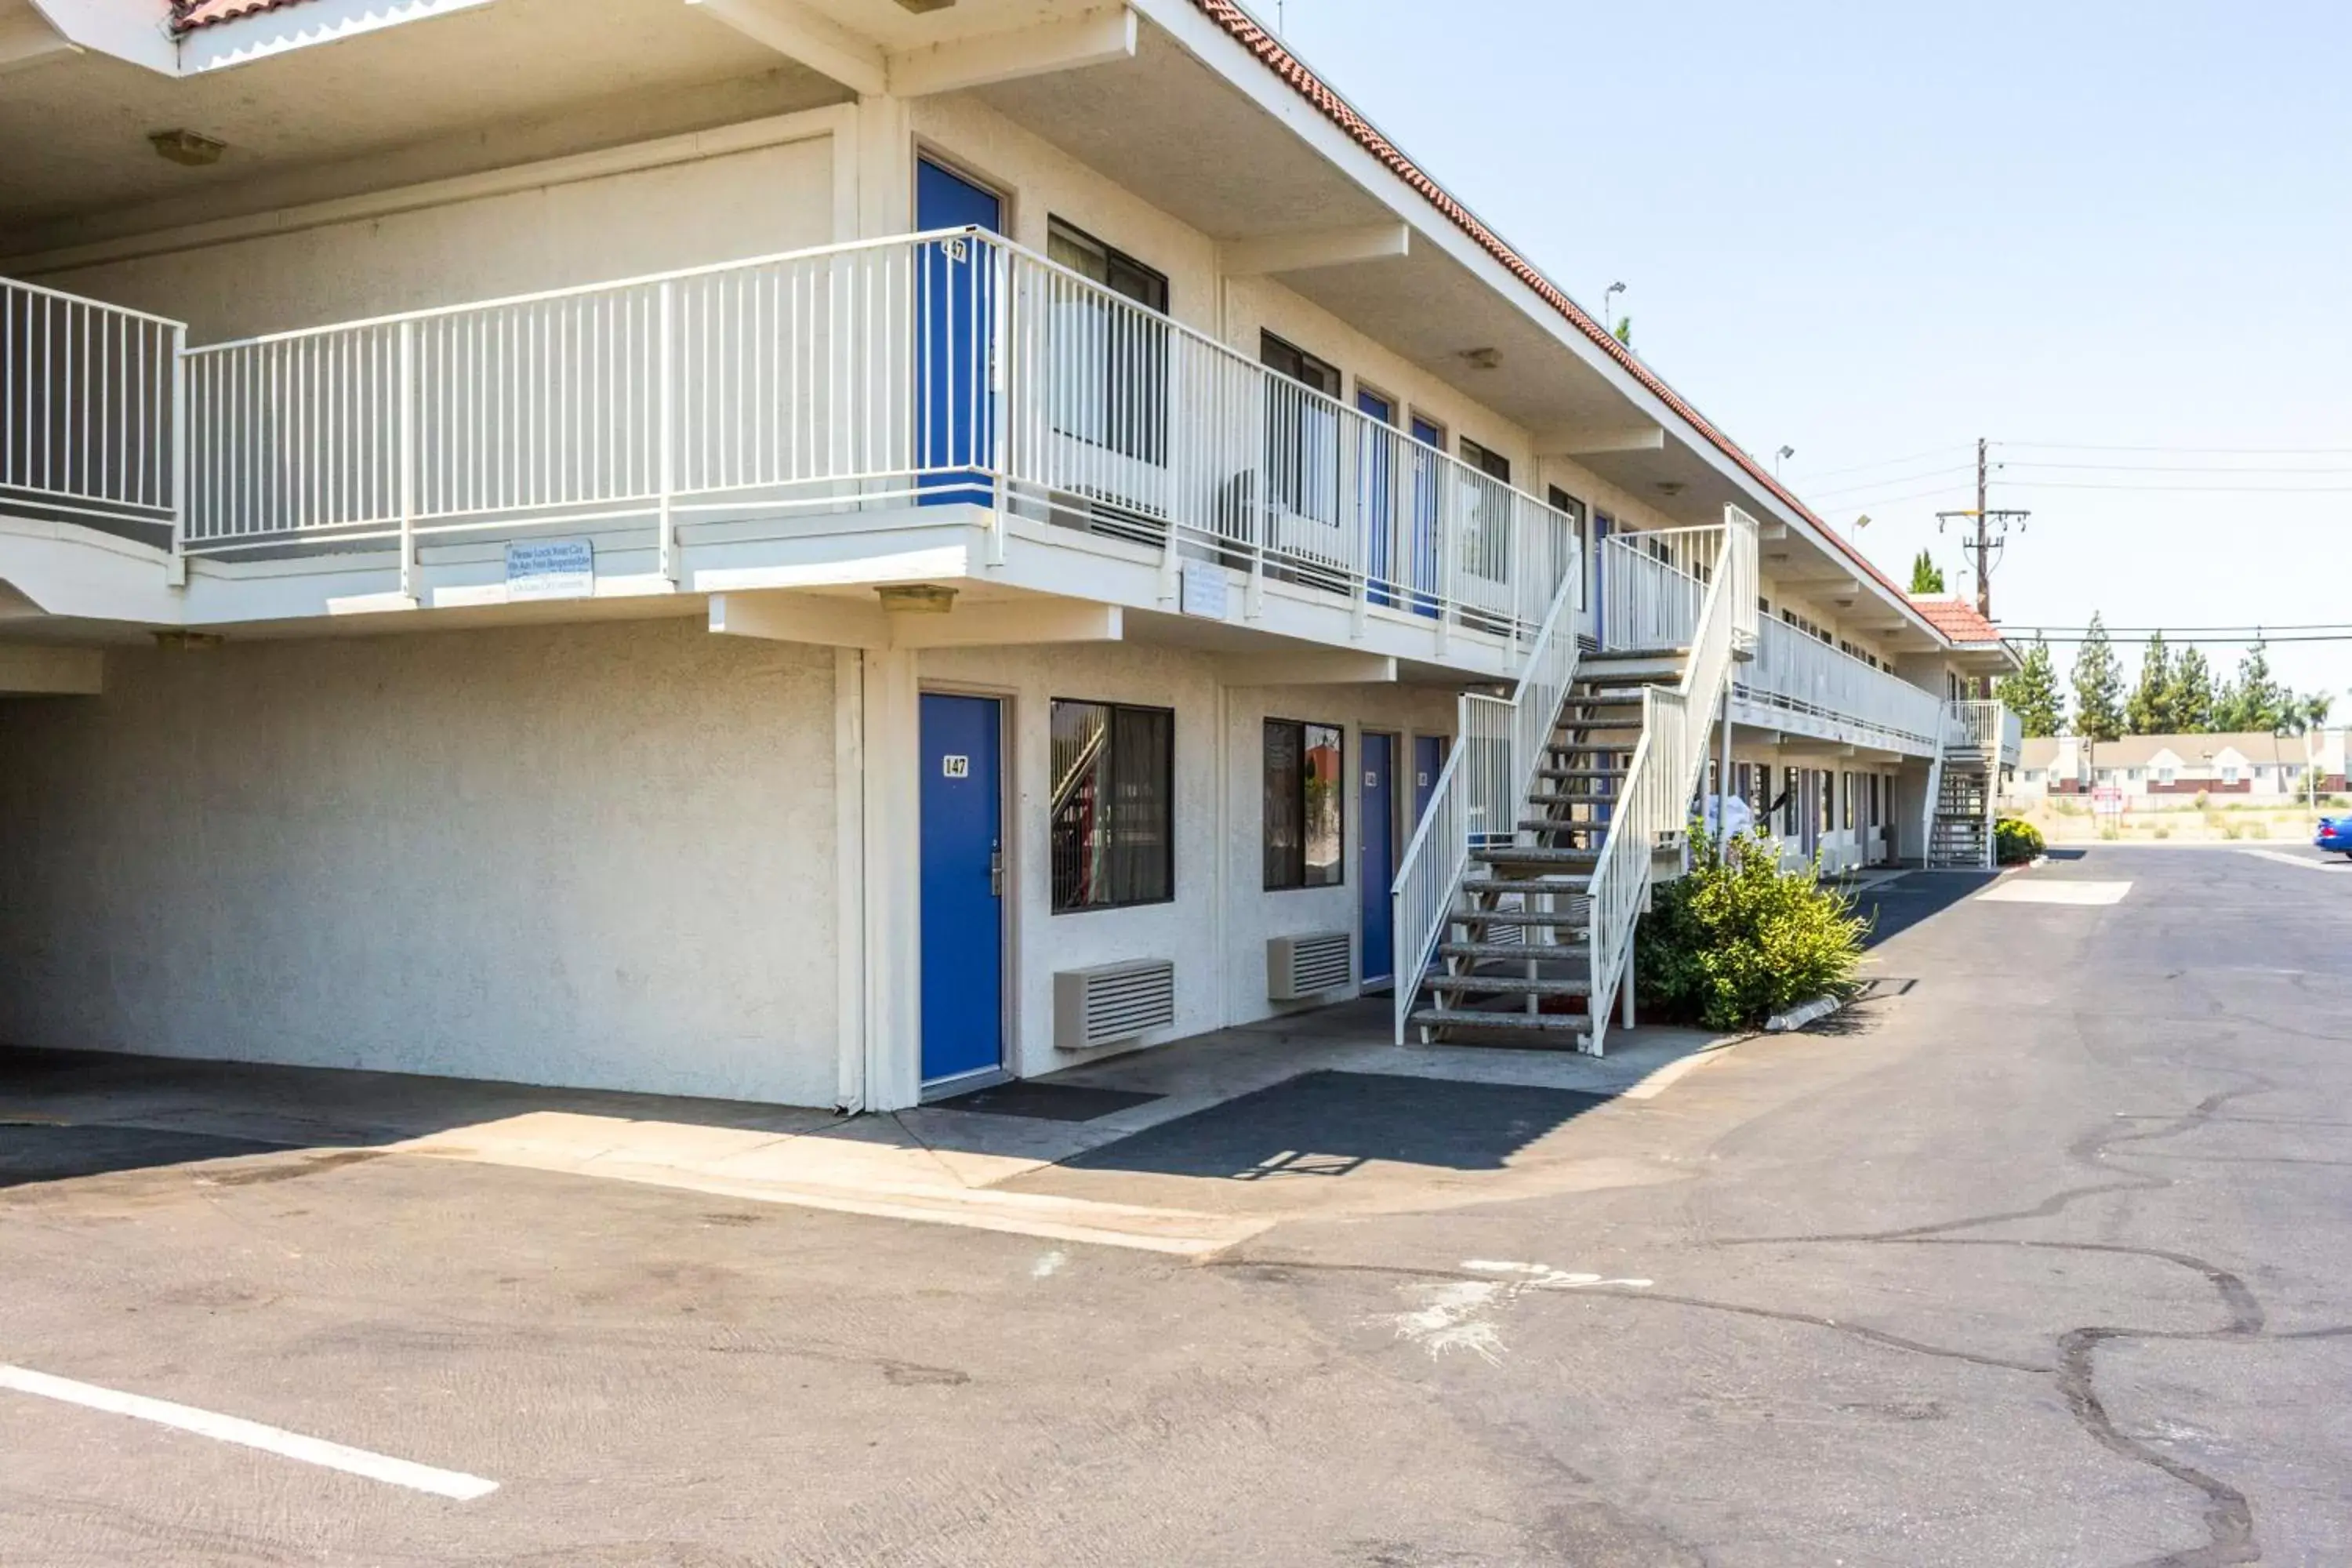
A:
{"x": 1499, "y": 744}
{"x": 1653, "y": 800}
{"x": 1799, "y": 673}
{"x": 88, "y": 406}
{"x": 1982, "y": 726}
{"x": 943, "y": 366}
{"x": 1652, "y": 586}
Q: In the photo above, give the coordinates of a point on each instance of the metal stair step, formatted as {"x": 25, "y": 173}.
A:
{"x": 1534, "y": 855}
{"x": 1579, "y": 772}
{"x": 1569, "y": 797}
{"x": 1567, "y": 1023}
{"x": 1556, "y": 825}
{"x": 1508, "y": 984}
{"x": 1577, "y": 917}
{"x": 1556, "y": 887}
{"x": 1515, "y": 951}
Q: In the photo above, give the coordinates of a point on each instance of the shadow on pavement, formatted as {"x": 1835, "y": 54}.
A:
{"x": 1895, "y": 906}
{"x": 1332, "y": 1123}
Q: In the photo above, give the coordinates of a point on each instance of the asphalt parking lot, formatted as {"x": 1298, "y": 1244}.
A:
{"x": 2034, "y": 1258}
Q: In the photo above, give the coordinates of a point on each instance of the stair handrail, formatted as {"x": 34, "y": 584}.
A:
{"x": 1653, "y": 799}
{"x": 1468, "y": 788}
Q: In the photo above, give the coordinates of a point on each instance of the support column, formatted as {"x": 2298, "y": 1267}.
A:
{"x": 892, "y": 883}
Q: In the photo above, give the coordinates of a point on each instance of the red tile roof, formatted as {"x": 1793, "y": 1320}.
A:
{"x": 189, "y": 15}
{"x": 1957, "y": 619}
{"x": 1294, "y": 71}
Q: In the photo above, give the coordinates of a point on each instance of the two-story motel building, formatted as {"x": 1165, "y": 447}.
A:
{"x": 516, "y": 561}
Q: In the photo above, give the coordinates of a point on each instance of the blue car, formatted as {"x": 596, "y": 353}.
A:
{"x": 2334, "y": 834}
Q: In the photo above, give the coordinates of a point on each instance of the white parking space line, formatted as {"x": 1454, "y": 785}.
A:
{"x": 2032, "y": 891}
{"x": 2304, "y": 861}
{"x": 250, "y": 1435}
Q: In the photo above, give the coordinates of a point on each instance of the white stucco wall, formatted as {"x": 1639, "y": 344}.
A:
{"x": 565, "y": 231}
{"x": 596, "y": 855}
{"x": 1215, "y": 929}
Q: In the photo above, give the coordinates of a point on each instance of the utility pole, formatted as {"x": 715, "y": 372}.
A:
{"x": 1992, "y": 528}
{"x": 1984, "y": 545}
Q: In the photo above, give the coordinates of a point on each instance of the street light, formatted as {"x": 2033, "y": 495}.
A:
{"x": 1777, "y": 457}
{"x": 1609, "y": 307}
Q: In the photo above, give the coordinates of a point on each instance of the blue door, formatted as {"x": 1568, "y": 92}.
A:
{"x": 1377, "y": 465}
{"x": 1428, "y": 762}
{"x": 963, "y": 901}
{"x": 1428, "y": 475}
{"x": 1379, "y": 854}
{"x": 955, "y": 289}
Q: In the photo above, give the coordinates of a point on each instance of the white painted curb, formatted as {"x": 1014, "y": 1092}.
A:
{"x": 1803, "y": 1014}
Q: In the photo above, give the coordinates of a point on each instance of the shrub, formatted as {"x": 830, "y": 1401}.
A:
{"x": 2258, "y": 830}
{"x": 1738, "y": 939}
{"x": 2016, "y": 840}
{"x": 2110, "y": 834}
{"x": 2203, "y": 800}
{"x": 2232, "y": 832}
{"x": 2162, "y": 831}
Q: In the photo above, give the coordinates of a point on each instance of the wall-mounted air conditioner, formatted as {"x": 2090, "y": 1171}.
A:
{"x": 1297, "y": 967}
{"x": 1113, "y": 1002}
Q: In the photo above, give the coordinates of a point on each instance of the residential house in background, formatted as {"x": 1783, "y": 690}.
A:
{"x": 835, "y": 551}
{"x": 2154, "y": 772}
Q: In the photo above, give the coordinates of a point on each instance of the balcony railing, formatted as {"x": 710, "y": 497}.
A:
{"x": 927, "y": 369}
{"x": 86, "y": 407}
{"x": 1986, "y": 726}
{"x": 1800, "y": 675}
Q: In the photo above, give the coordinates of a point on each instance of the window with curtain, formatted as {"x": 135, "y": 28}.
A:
{"x": 1305, "y": 811}
{"x": 1109, "y": 347}
{"x": 1302, "y": 431}
{"x": 1113, "y": 805}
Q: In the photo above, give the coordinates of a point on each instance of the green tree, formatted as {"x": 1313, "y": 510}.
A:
{"x": 2189, "y": 706}
{"x": 2253, "y": 701}
{"x": 2149, "y": 712}
{"x": 1624, "y": 331}
{"x": 2032, "y": 693}
{"x": 2098, "y": 685}
{"x": 1927, "y": 577}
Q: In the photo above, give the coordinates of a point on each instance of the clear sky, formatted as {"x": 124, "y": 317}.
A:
{"x": 1878, "y": 231}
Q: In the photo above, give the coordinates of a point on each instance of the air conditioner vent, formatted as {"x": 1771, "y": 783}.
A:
{"x": 1297, "y": 967}
{"x": 1113, "y": 1002}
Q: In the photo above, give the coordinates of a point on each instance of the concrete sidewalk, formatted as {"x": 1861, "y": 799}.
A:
{"x": 938, "y": 1163}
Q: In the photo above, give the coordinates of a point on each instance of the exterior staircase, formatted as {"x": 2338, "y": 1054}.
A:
{"x": 1516, "y": 901}
{"x": 1960, "y": 836}
{"x": 1517, "y": 958}
{"x": 1961, "y": 790}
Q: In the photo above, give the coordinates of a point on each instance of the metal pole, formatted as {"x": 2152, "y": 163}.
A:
{"x": 408, "y": 461}
{"x": 665, "y": 450}
{"x": 178, "y": 570}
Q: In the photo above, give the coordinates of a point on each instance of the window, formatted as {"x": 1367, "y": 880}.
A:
{"x": 1288, "y": 359}
{"x": 1493, "y": 465}
{"x": 1302, "y": 431}
{"x": 1305, "y": 778}
{"x": 1108, "y": 385}
{"x": 2164, "y": 775}
{"x": 1578, "y": 524}
{"x": 2228, "y": 775}
{"x": 1113, "y": 816}
{"x": 2033, "y": 775}
{"x": 1789, "y": 803}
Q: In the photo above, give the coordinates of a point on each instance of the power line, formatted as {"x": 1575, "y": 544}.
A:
{"x": 2201, "y": 451}
{"x": 1882, "y": 463}
{"x": 1891, "y": 480}
{"x": 2182, "y": 490}
{"x": 2171, "y": 468}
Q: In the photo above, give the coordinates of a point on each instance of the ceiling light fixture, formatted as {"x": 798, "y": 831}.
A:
{"x": 917, "y": 598}
{"x": 192, "y": 148}
{"x": 1483, "y": 359}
